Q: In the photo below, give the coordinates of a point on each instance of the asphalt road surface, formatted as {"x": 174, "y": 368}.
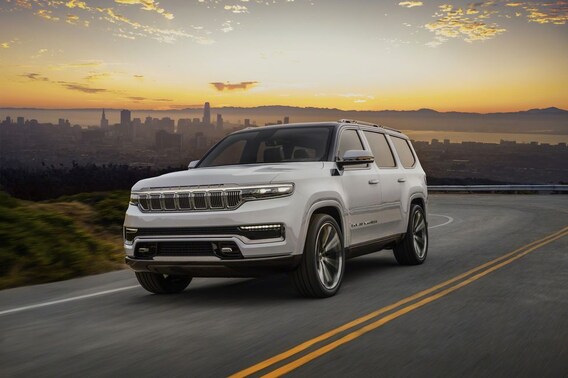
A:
{"x": 491, "y": 300}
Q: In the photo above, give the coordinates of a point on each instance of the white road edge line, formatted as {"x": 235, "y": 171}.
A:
{"x": 449, "y": 220}
{"x": 44, "y": 304}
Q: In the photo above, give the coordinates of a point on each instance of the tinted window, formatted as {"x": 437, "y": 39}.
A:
{"x": 381, "y": 149}
{"x": 271, "y": 145}
{"x": 404, "y": 152}
{"x": 349, "y": 141}
{"x": 231, "y": 153}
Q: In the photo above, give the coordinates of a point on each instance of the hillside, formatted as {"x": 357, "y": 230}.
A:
{"x": 51, "y": 241}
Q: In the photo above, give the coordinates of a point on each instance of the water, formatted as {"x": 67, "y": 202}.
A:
{"x": 458, "y": 137}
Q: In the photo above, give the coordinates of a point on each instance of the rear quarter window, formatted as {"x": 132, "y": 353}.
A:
{"x": 404, "y": 152}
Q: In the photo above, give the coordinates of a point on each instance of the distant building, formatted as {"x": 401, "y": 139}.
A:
{"x": 286, "y": 120}
{"x": 61, "y": 122}
{"x": 104, "y": 121}
{"x": 207, "y": 114}
{"x": 21, "y": 121}
{"x": 125, "y": 118}
{"x": 247, "y": 122}
{"x": 166, "y": 140}
{"x": 219, "y": 125}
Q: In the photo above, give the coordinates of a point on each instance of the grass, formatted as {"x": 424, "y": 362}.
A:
{"x": 65, "y": 238}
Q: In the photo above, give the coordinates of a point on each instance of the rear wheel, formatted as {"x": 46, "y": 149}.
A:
{"x": 163, "y": 283}
{"x": 412, "y": 250}
{"x": 321, "y": 271}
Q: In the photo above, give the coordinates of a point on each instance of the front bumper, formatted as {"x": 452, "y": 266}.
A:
{"x": 215, "y": 267}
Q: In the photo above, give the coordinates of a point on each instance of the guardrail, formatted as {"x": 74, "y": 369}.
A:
{"x": 498, "y": 188}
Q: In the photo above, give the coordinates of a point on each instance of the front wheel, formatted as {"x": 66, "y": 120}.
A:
{"x": 413, "y": 248}
{"x": 321, "y": 271}
{"x": 163, "y": 283}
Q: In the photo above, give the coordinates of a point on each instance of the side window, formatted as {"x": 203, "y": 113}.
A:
{"x": 404, "y": 152}
{"x": 349, "y": 141}
{"x": 381, "y": 149}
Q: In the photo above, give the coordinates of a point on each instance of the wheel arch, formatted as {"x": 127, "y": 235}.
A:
{"x": 330, "y": 207}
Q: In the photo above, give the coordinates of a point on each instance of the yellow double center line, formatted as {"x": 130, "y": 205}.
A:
{"x": 420, "y": 299}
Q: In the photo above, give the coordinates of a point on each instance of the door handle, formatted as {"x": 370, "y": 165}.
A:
{"x": 373, "y": 182}
{"x": 402, "y": 179}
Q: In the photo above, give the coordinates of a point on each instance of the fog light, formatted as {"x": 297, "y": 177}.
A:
{"x": 261, "y": 227}
{"x": 263, "y": 231}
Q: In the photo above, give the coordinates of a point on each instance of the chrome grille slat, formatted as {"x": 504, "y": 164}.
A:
{"x": 199, "y": 201}
{"x": 196, "y": 198}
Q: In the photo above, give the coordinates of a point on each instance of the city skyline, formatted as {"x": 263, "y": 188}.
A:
{"x": 487, "y": 56}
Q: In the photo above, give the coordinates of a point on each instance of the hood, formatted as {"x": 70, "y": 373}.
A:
{"x": 228, "y": 175}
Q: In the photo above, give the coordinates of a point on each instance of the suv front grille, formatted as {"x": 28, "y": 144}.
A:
{"x": 190, "y": 200}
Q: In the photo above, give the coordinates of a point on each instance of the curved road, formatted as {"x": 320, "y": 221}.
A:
{"x": 491, "y": 300}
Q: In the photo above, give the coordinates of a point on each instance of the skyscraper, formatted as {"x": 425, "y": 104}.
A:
{"x": 207, "y": 114}
{"x": 104, "y": 121}
{"x": 286, "y": 120}
{"x": 125, "y": 118}
{"x": 219, "y": 126}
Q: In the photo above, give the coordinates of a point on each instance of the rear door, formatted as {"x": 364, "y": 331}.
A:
{"x": 390, "y": 212}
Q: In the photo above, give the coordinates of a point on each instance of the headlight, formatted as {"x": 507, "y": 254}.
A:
{"x": 129, "y": 234}
{"x": 134, "y": 199}
{"x": 267, "y": 191}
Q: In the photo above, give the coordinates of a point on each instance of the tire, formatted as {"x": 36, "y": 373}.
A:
{"x": 320, "y": 272}
{"x": 413, "y": 248}
{"x": 163, "y": 284}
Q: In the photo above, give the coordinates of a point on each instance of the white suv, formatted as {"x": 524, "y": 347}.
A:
{"x": 299, "y": 198}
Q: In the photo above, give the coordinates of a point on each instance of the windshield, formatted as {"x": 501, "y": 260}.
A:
{"x": 271, "y": 145}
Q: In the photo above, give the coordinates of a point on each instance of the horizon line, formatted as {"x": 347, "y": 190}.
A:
{"x": 282, "y": 106}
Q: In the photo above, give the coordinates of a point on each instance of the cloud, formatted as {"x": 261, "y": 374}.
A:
{"x": 138, "y": 77}
{"x": 236, "y": 8}
{"x": 411, "y": 4}
{"x": 35, "y": 77}
{"x": 127, "y": 27}
{"x": 148, "y": 5}
{"x": 227, "y": 27}
{"x": 81, "y": 87}
{"x": 243, "y": 85}
{"x": 77, "y": 4}
{"x": 458, "y": 23}
{"x": 140, "y": 98}
{"x": 96, "y": 76}
{"x": 72, "y": 19}
{"x": 356, "y": 95}
{"x": 46, "y": 14}
{"x": 555, "y": 13}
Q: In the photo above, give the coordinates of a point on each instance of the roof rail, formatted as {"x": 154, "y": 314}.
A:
{"x": 367, "y": 124}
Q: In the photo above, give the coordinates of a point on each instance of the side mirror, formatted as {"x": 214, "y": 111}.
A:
{"x": 353, "y": 157}
{"x": 193, "y": 164}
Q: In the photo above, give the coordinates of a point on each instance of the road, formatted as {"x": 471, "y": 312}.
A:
{"x": 502, "y": 318}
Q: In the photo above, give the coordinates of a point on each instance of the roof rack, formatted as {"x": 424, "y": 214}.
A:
{"x": 368, "y": 124}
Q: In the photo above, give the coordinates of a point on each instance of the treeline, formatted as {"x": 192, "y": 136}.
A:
{"x": 44, "y": 184}
{"x": 51, "y": 183}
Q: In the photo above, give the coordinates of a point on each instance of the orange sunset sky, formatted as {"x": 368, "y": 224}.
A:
{"x": 143, "y": 54}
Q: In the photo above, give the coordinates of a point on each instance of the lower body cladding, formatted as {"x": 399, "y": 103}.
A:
{"x": 211, "y": 251}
